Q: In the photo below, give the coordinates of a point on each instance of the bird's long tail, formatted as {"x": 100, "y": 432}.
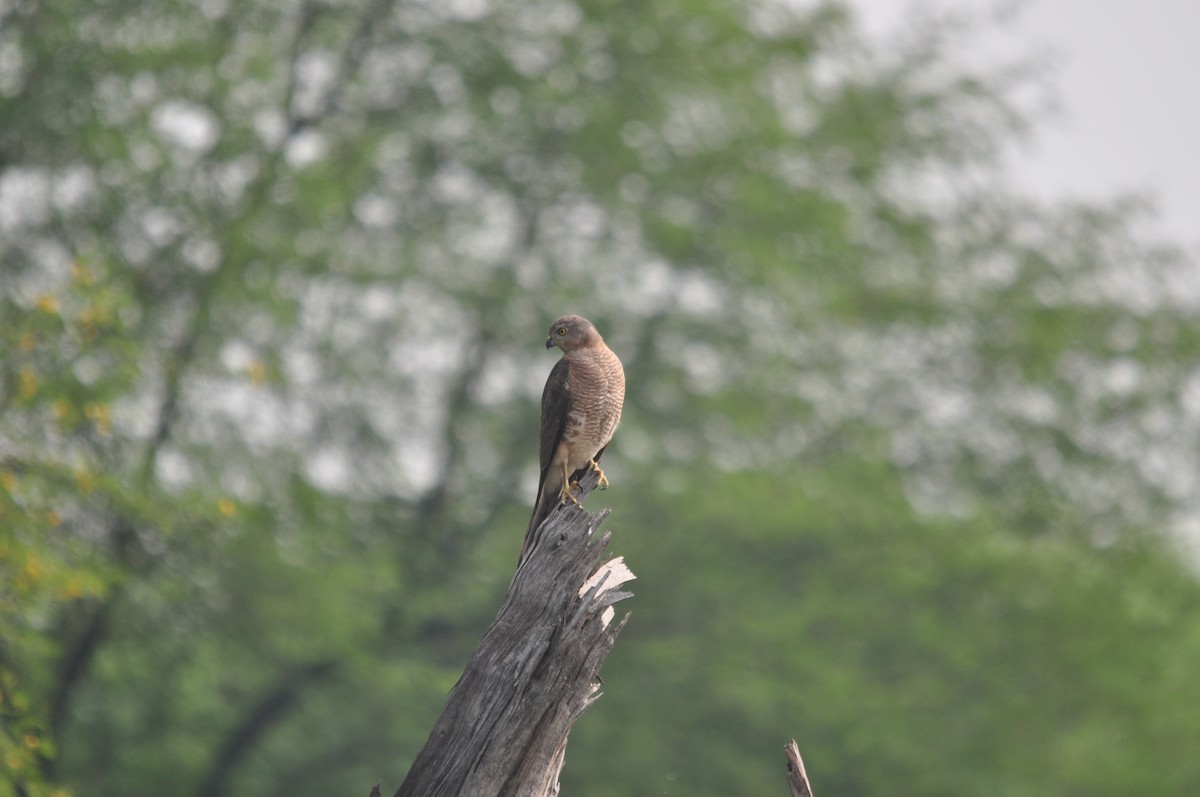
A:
{"x": 547, "y": 499}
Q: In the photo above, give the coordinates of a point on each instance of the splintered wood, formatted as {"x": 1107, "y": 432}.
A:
{"x": 503, "y": 730}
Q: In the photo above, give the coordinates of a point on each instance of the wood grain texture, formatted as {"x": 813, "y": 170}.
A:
{"x": 504, "y": 727}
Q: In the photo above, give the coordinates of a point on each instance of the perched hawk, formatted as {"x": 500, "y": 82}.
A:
{"x": 581, "y": 405}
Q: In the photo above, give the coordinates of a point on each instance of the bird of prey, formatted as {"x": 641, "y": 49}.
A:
{"x": 581, "y": 405}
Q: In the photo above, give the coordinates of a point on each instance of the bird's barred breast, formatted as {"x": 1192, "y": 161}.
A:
{"x": 597, "y": 385}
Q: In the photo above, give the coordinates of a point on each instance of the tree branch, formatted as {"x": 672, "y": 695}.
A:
{"x": 796, "y": 776}
{"x": 270, "y": 709}
{"x": 352, "y": 54}
{"x": 77, "y": 654}
{"x": 504, "y": 728}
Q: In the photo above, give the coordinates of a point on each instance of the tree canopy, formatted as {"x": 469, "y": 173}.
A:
{"x": 905, "y": 463}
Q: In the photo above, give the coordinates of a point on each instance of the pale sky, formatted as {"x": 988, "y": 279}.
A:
{"x": 1127, "y": 76}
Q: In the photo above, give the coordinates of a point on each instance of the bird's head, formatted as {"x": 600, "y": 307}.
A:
{"x": 572, "y": 332}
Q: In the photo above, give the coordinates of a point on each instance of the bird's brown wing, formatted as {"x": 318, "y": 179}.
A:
{"x": 556, "y": 402}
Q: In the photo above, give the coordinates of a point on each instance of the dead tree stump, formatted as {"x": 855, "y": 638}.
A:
{"x": 504, "y": 727}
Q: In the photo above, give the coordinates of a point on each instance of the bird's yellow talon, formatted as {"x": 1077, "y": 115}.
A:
{"x": 567, "y": 494}
{"x": 601, "y": 479}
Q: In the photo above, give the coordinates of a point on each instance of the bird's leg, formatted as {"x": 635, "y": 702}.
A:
{"x": 601, "y": 479}
{"x": 565, "y": 494}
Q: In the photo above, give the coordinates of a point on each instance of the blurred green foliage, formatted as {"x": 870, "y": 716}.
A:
{"x": 903, "y": 469}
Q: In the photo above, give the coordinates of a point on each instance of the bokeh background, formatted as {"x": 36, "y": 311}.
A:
{"x": 908, "y": 469}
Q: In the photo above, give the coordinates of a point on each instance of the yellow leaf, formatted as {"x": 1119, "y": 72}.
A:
{"x": 87, "y": 317}
{"x": 98, "y": 414}
{"x": 258, "y": 373}
{"x": 227, "y": 507}
{"x": 27, "y": 384}
{"x": 47, "y": 303}
{"x": 85, "y": 479}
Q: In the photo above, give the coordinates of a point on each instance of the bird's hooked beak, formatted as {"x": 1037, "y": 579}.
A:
{"x": 549, "y": 342}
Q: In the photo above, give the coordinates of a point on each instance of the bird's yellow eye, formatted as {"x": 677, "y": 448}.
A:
{"x": 562, "y": 330}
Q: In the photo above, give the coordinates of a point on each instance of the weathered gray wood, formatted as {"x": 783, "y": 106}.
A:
{"x": 504, "y": 727}
{"x": 796, "y": 776}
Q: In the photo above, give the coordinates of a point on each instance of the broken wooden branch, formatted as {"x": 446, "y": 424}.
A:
{"x": 503, "y": 730}
{"x": 796, "y": 776}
